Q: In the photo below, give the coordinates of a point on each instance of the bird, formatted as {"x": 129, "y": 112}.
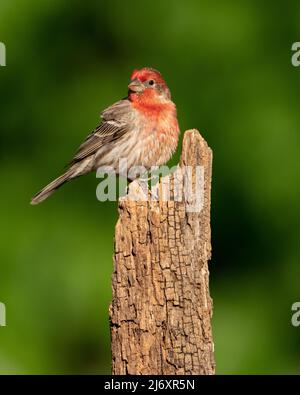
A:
{"x": 142, "y": 128}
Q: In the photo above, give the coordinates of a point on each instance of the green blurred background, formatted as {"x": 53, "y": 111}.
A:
{"x": 228, "y": 65}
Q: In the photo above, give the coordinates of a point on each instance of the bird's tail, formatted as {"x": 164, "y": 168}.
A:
{"x": 50, "y": 188}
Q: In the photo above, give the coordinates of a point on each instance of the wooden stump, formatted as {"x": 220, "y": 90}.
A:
{"x": 161, "y": 310}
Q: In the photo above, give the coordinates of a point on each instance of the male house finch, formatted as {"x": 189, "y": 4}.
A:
{"x": 142, "y": 128}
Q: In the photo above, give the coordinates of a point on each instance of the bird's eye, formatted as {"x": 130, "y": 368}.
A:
{"x": 151, "y": 82}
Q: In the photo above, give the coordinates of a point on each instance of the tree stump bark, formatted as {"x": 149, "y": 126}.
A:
{"x": 160, "y": 316}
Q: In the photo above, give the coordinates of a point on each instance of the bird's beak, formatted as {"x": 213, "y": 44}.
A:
{"x": 136, "y": 86}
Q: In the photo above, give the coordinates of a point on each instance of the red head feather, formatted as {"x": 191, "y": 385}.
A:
{"x": 147, "y": 73}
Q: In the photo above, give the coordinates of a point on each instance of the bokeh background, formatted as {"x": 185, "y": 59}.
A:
{"x": 228, "y": 65}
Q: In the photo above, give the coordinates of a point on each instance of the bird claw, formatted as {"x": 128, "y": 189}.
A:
{"x": 139, "y": 190}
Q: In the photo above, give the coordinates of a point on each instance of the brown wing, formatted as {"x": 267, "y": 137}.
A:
{"x": 115, "y": 123}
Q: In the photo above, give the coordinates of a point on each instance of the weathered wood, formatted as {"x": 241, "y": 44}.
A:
{"x": 161, "y": 310}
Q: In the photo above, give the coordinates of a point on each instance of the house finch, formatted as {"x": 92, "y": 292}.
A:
{"x": 142, "y": 128}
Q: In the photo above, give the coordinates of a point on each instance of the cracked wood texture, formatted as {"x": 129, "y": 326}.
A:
{"x": 160, "y": 315}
